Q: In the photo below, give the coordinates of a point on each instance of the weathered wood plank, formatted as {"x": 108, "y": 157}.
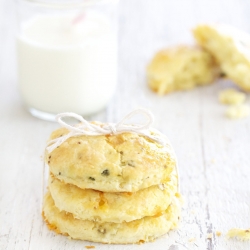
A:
{"x": 213, "y": 152}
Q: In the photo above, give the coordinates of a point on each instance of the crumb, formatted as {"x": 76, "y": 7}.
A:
{"x": 89, "y": 247}
{"x": 238, "y": 233}
{"x": 238, "y": 111}
{"x": 193, "y": 212}
{"x": 218, "y": 233}
{"x": 209, "y": 236}
{"x": 191, "y": 240}
{"x": 231, "y": 96}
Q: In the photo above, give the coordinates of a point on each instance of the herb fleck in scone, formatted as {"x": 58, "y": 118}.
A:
{"x": 231, "y": 49}
{"x": 124, "y": 162}
{"x": 181, "y": 68}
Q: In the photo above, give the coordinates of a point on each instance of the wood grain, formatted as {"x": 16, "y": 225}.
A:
{"x": 213, "y": 152}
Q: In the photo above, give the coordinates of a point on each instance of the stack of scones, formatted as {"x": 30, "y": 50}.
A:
{"x": 116, "y": 188}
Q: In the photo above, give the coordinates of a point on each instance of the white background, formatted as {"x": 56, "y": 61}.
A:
{"x": 213, "y": 151}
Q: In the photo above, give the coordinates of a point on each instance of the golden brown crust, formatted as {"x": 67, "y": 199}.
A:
{"x": 125, "y": 162}
{"x": 88, "y": 204}
{"x": 146, "y": 229}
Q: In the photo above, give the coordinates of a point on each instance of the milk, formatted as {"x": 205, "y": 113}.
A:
{"x": 66, "y": 65}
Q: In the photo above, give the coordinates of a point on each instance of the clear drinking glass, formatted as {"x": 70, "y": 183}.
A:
{"x": 67, "y": 55}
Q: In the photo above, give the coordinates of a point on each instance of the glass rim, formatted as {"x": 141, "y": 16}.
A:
{"x": 68, "y": 3}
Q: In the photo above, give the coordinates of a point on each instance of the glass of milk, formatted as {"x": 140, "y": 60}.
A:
{"x": 67, "y": 55}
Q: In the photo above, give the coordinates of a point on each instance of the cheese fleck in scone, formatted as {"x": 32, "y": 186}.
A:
{"x": 238, "y": 111}
{"x": 231, "y": 49}
{"x": 180, "y": 68}
{"x": 231, "y": 96}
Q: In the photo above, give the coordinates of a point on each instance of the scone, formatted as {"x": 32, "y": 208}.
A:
{"x": 88, "y": 204}
{"x": 231, "y": 49}
{"x": 111, "y": 183}
{"x": 124, "y": 162}
{"x": 180, "y": 68}
{"x": 143, "y": 230}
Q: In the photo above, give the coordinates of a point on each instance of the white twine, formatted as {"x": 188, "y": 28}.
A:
{"x": 87, "y": 128}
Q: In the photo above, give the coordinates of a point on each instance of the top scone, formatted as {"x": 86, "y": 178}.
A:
{"x": 231, "y": 49}
{"x": 124, "y": 162}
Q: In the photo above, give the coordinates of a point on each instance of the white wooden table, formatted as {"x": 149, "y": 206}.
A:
{"x": 213, "y": 152}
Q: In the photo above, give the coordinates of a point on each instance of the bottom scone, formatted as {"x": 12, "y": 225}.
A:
{"x": 137, "y": 231}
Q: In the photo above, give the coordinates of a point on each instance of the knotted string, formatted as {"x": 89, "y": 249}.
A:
{"x": 87, "y": 128}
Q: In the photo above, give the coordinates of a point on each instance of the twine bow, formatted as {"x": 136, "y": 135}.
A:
{"x": 87, "y": 128}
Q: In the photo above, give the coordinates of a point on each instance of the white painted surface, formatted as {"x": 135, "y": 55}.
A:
{"x": 213, "y": 152}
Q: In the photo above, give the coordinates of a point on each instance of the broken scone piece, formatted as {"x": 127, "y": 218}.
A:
{"x": 231, "y": 49}
{"x": 180, "y": 68}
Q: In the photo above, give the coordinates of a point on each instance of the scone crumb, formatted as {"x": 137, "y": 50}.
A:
{"x": 193, "y": 211}
{"x": 231, "y": 96}
{"x": 238, "y": 111}
{"x": 238, "y": 233}
{"x": 89, "y": 247}
{"x": 191, "y": 240}
{"x": 209, "y": 236}
{"x": 218, "y": 233}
